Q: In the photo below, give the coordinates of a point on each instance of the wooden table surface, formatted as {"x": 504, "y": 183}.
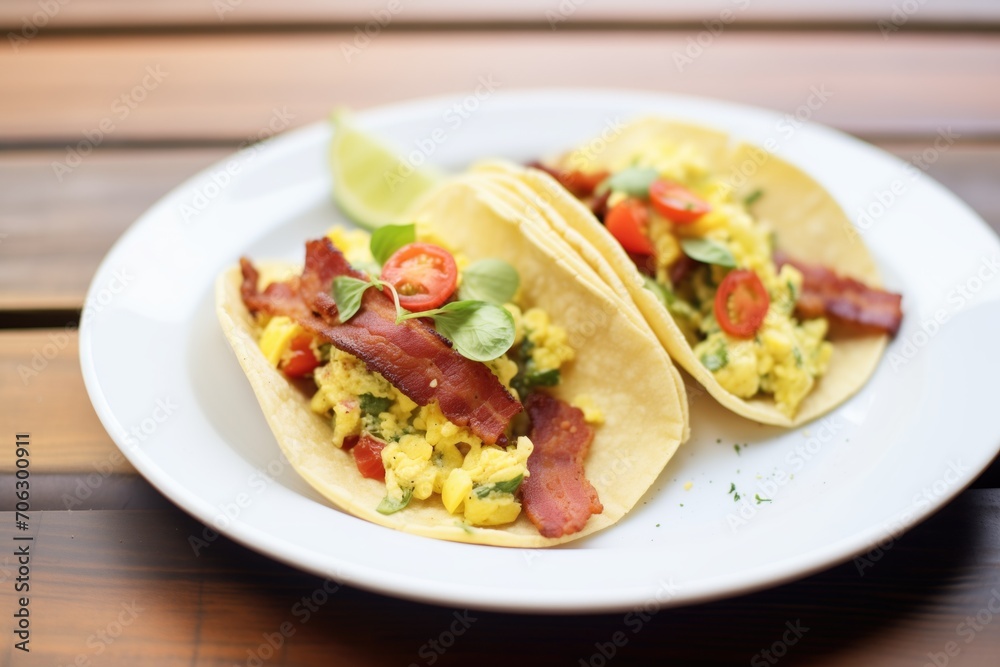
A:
{"x": 136, "y": 97}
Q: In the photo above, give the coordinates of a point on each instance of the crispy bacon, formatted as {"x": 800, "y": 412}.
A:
{"x": 557, "y": 497}
{"x": 825, "y": 293}
{"x": 580, "y": 184}
{"x": 412, "y": 356}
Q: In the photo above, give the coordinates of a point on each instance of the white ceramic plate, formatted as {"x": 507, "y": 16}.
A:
{"x": 169, "y": 390}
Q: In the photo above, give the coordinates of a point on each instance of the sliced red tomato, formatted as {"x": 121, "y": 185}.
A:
{"x": 627, "y": 222}
{"x": 676, "y": 203}
{"x": 741, "y": 303}
{"x": 302, "y": 359}
{"x": 423, "y": 274}
{"x": 368, "y": 456}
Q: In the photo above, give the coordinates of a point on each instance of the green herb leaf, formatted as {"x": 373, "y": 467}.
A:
{"x": 374, "y": 405}
{"x": 716, "y": 359}
{"x": 659, "y": 291}
{"x": 492, "y": 280}
{"x": 760, "y": 500}
{"x": 390, "y": 238}
{"x": 633, "y": 181}
{"x": 347, "y": 292}
{"x": 391, "y": 505}
{"x": 752, "y": 197}
{"x": 708, "y": 251}
{"x": 510, "y": 486}
{"x": 481, "y": 331}
{"x": 549, "y": 378}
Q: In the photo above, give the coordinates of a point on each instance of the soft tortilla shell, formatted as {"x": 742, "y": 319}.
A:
{"x": 619, "y": 364}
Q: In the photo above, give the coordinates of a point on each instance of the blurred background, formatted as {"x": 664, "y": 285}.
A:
{"x": 107, "y": 104}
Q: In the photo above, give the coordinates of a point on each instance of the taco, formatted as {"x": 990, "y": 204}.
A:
{"x": 465, "y": 377}
{"x": 747, "y": 269}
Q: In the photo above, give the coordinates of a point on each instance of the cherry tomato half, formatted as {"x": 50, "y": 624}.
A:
{"x": 302, "y": 359}
{"x": 368, "y": 457}
{"x": 423, "y": 274}
{"x": 627, "y": 222}
{"x": 677, "y": 203}
{"x": 741, "y": 303}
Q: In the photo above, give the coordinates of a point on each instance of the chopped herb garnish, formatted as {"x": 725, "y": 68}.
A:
{"x": 510, "y": 486}
{"x": 716, "y": 359}
{"x": 760, "y": 500}
{"x": 373, "y": 405}
{"x": 480, "y": 331}
{"x": 709, "y": 252}
{"x": 390, "y": 238}
{"x": 798, "y": 356}
{"x": 391, "y": 505}
{"x": 492, "y": 280}
{"x": 732, "y": 487}
{"x": 737, "y": 448}
{"x": 753, "y": 197}
{"x": 633, "y": 181}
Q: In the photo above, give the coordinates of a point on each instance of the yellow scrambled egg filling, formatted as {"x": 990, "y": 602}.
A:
{"x": 786, "y": 357}
{"x": 426, "y": 453}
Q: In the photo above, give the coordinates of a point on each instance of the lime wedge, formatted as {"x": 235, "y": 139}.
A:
{"x": 371, "y": 184}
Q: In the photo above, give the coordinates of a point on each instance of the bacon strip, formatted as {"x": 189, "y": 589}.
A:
{"x": 580, "y": 184}
{"x": 824, "y": 292}
{"x": 557, "y": 497}
{"x": 412, "y": 356}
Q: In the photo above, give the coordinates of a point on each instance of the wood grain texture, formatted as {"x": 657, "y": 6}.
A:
{"x": 133, "y": 578}
{"x": 43, "y": 394}
{"x": 113, "y": 13}
{"x": 53, "y": 235}
{"x": 233, "y": 87}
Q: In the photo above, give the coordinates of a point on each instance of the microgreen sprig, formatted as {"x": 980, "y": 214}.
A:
{"x": 480, "y": 330}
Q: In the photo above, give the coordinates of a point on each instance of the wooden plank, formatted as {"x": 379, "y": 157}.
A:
{"x": 230, "y": 88}
{"x": 133, "y": 578}
{"x": 58, "y": 233}
{"x": 43, "y": 394}
{"x": 53, "y": 234}
{"x": 104, "y": 13}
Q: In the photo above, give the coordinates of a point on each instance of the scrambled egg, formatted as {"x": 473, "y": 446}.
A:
{"x": 276, "y": 337}
{"x": 427, "y": 454}
{"x": 786, "y": 357}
